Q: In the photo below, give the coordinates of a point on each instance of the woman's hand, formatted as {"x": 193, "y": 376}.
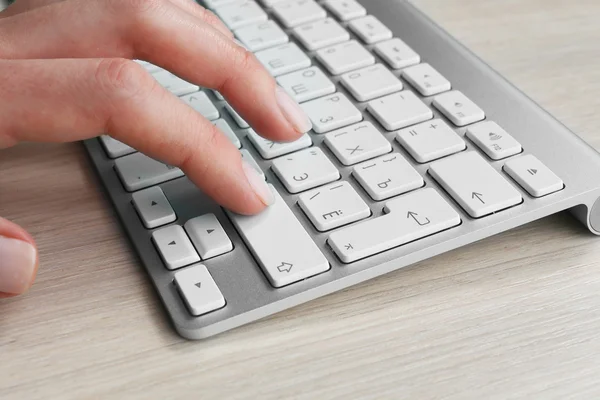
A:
{"x": 67, "y": 75}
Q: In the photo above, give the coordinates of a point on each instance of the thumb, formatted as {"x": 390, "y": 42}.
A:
{"x": 18, "y": 259}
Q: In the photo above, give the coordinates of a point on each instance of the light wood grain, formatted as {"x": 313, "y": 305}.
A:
{"x": 514, "y": 316}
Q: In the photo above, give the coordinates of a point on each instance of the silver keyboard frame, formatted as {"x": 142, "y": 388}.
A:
{"x": 247, "y": 291}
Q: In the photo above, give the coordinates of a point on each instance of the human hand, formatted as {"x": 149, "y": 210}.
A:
{"x": 68, "y": 75}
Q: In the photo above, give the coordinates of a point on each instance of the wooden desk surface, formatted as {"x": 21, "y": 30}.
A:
{"x": 514, "y": 316}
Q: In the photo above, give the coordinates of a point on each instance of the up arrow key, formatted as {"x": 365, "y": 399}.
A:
{"x": 209, "y": 231}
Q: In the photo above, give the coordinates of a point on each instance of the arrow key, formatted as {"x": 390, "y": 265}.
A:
{"x": 198, "y": 289}
{"x": 208, "y": 236}
{"x": 174, "y": 247}
{"x": 533, "y": 176}
{"x": 153, "y": 207}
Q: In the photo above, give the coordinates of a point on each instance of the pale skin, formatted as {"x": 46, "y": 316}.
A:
{"x": 67, "y": 75}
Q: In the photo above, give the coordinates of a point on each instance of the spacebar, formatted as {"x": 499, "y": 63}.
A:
{"x": 284, "y": 250}
{"x": 410, "y": 217}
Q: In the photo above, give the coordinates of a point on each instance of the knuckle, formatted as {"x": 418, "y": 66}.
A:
{"x": 243, "y": 64}
{"x": 122, "y": 79}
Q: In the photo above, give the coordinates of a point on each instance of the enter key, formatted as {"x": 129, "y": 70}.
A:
{"x": 410, "y": 217}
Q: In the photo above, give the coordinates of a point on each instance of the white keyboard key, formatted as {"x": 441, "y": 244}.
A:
{"x": 533, "y": 176}
{"x": 138, "y": 171}
{"x": 200, "y": 102}
{"x": 474, "y": 184}
{"x": 458, "y": 108}
{"x": 305, "y": 170}
{"x": 397, "y": 53}
{"x": 297, "y": 12}
{"x": 174, "y": 247}
{"x": 318, "y": 34}
{"x": 387, "y": 176}
{"x": 399, "y": 110}
{"x": 345, "y": 10}
{"x": 174, "y": 84}
{"x": 357, "y": 143}
{"x": 331, "y": 112}
{"x": 226, "y": 129}
{"x": 306, "y": 84}
{"x": 115, "y": 148}
{"x": 218, "y": 3}
{"x": 246, "y": 156}
{"x": 148, "y": 66}
{"x": 493, "y": 140}
{"x": 333, "y": 205}
{"x": 271, "y": 3}
{"x": 410, "y": 217}
{"x": 426, "y": 79}
{"x": 370, "y": 29}
{"x": 371, "y": 82}
{"x": 269, "y": 149}
{"x": 198, "y": 289}
{"x": 345, "y": 57}
{"x": 153, "y": 207}
{"x": 236, "y": 117}
{"x": 261, "y": 36}
{"x": 283, "y": 249}
{"x": 430, "y": 140}
{"x": 241, "y": 14}
{"x": 283, "y": 59}
{"x": 208, "y": 236}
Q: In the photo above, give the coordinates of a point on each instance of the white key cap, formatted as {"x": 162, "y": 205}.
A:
{"x": 426, "y": 79}
{"x": 370, "y": 29}
{"x": 430, "y": 140}
{"x": 305, "y": 170}
{"x": 284, "y": 250}
{"x": 174, "y": 247}
{"x": 198, "y": 289}
{"x": 474, "y": 184}
{"x": 399, "y": 110}
{"x": 397, "y": 53}
{"x": 318, "y": 34}
{"x": 345, "y": 10}
{"x": 218, "y": 95}
{"x": 246, "y": 156}
{"x": 306, "y": 84}
{"x": 153, "y": 207}
{"x": 357, "y": 143}
{"x": 410, "y": 217}
{"x": 333, "y": 205}
{"x": 138, "y": 171}
{"x": 224, "y": 127}
{"x": 298, "y": 12}
{"x": 458, "y": 108}
{"x": 218, "y": 3}
{"x": 261, "y": 36}
{"x": 271, "y": 3}
{"x": 371, "y": 82}
{"x": 174, "y": 84}
{"x": 345, "y": 57}
{"x": 331, "y": 112}
{"x": 241, "y": 14}
{"x": 236, "y": 117}
{"x": 115, "y": 148}
{"x": 208, "y": 236}
{"x": 493, "y": 140}
{"x": 269, "y": 149}
{"x": 533, "y": 176}
{"x": 387, "y": 176}
{"x": 148, "y": 66}
{"x": 283, "y": 59}
{"x": 200, "y": 102}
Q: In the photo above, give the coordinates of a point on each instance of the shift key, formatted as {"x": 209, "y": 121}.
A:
{"x": 284, "y": 250}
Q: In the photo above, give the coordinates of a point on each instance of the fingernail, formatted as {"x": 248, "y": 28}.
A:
{"x": 258, "y": 184}
{"x": 292, "y": 111}
{"x": 17, "y": 265}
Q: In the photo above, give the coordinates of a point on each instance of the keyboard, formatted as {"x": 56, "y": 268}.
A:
{"x": 417, "y": 148}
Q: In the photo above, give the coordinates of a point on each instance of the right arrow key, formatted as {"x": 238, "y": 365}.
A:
{"x": 474, "y": 184}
